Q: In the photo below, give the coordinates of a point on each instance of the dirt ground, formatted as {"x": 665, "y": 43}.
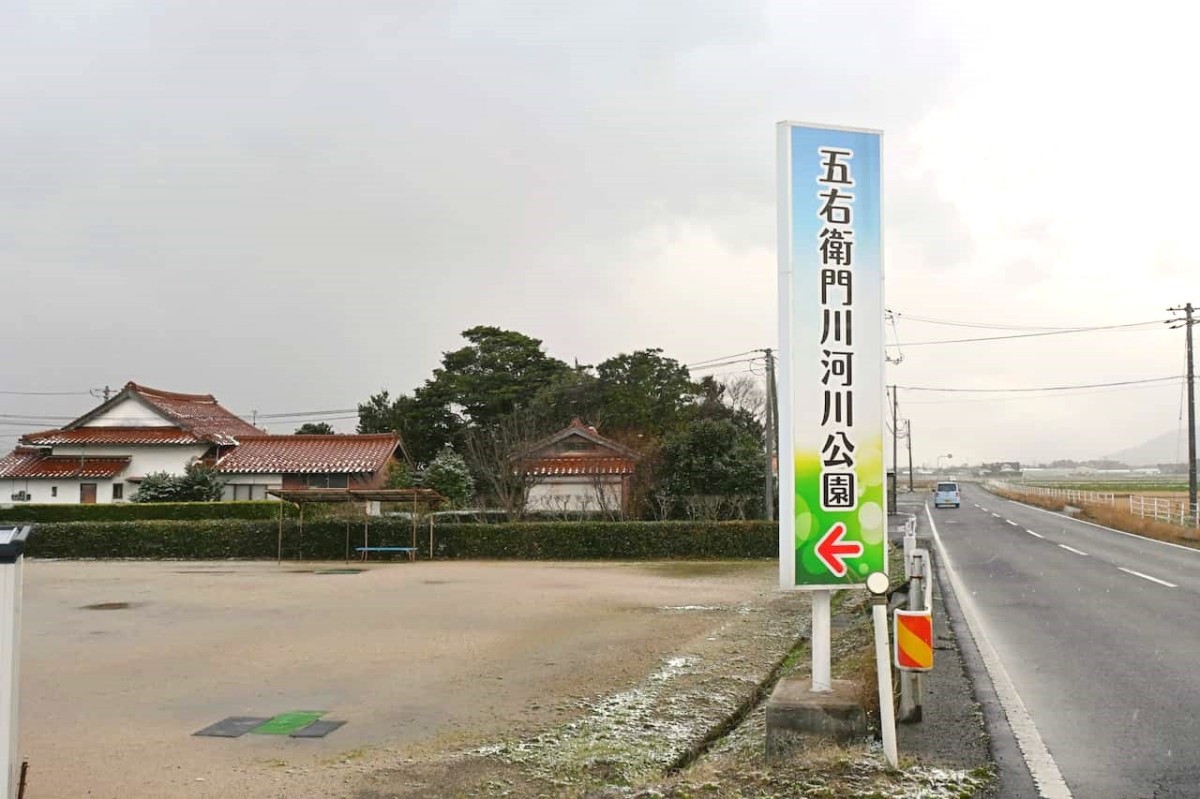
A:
{"x": 418, "y": 658}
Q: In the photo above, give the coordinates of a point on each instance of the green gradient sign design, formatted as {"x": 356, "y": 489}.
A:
{"x": 833, "y": 520}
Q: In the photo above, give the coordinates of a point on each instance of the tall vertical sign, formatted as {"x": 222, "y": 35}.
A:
{"x": 832, "y": 514}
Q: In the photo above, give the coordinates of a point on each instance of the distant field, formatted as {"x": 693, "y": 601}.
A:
{"x": 1163, "y": 487}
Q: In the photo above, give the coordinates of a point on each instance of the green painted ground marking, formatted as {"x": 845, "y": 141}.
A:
{"x": 287, "y": 723}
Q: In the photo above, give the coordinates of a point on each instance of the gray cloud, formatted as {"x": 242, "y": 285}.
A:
{"x": 295, "y": 204}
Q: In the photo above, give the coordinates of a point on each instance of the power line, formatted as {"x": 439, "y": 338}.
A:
{"x": 1039, "y": 397}
{"x": 1129, "y": 327}
{"x": 1043, "y": 388}
{"x": 980, "y": 325}
{"x": 47, "y": 393}
{"x": 33, "y": 417}
{"x": 725, "y": 363}
{"x": 298, "y": 414}
{"x": 723, "y": 358}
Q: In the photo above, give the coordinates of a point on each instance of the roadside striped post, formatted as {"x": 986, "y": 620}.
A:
{"x": 913, "y": 640}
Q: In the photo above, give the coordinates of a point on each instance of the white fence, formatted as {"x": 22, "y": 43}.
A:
{"x": 1163, "y": 509}
{"x": 1172, "y": 511}
{"x": 1065, "y": 494}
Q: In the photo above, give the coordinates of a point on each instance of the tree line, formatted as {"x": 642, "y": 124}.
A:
{"x": 700, "y": 441}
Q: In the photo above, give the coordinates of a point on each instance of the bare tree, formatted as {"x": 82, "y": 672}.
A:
{"x": 704, "y": 507}
{"x": 607, "y": 495}
{"x": 497, "y": 454}
{"x": 745, "y": 392}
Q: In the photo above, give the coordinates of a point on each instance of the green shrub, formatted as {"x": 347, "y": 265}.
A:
{"x": 331, "y": 540}
{"x": 156, "y": 510}
{"x": 604, "y": 540}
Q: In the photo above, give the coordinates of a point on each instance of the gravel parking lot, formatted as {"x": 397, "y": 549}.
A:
{"x": 416, "y": 657}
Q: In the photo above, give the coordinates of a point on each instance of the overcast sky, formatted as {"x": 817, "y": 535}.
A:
{"x": 292, "y": 205}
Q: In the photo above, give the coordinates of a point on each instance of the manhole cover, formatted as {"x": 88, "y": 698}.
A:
{"x": 108, "y": 606}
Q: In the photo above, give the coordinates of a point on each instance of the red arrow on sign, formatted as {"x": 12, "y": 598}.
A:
{"x": 832, "y": 550}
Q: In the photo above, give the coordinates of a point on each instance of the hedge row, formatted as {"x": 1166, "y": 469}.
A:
{"x": 134, "y": 511}
{"x": 330, "y": 540}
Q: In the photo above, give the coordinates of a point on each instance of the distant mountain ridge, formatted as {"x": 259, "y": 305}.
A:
{"x": 1167, "y": 448}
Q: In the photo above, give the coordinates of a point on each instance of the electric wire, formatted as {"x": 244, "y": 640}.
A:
{"x": 1133, "y": 327}
{"x": 46, "y": 393}
{"x": 993, "y": 326}
{"x": 1035, "y": 397}
{"x": 1041, "y": 388}
{"x": 722, "y": 358}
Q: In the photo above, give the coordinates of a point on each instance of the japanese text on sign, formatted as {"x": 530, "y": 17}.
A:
{"x": 835, "y": 248}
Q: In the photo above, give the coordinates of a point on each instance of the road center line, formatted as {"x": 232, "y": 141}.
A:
{"x": 1042, "y": 768}
{"x": 1147, "y": 577}
{"x": 1038, "y": 535}
{"x": 1010, "y": 521}
{"x": 997, "y": 515}
{"x": 1073, "y": 549}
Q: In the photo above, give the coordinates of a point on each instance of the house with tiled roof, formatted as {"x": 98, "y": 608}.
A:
{"x": 104, "y": 454}
{"x": 261, "y": 462}
{"x": 577, "y": 469}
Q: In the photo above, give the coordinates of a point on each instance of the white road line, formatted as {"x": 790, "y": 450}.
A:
{"x": 1147, "y": 577}
{"x": 997, "y": 515}
{"x": 1010, "y": 521}
{"x": 1044, "y": 770}
{"x": 1073, "y": 549}
{"x": 1193, "y": 550}
{"x": 1031, "y": 532}
{"x": 985, "y": 510}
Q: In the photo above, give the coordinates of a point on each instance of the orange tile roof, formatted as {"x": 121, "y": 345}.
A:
{"x": 199, "y": 413}
{"x": 113, "y": 435}
{"x": 585, "y": 431}
{"x": 331, "y": 454}
{"x": 585, "y": 466}
{"x": 28, "y": 463}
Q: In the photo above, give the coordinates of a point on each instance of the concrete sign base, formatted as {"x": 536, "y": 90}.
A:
{"x": 796, "y": 715}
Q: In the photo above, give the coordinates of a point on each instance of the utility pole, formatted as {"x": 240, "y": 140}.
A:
{"x": 895, "y": 475}
{"x": 908, "y": 435}
{"x": 1188, "y": 322}
{"x": 769, "y": 443}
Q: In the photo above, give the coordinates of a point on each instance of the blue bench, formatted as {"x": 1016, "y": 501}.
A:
{"x": 364, "y": 551}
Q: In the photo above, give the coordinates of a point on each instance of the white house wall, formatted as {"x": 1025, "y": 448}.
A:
{"x": 130, "y": 413}
{"x": 559, "y": 494}
{"x": 170, "y": 458}
{"x": 41, "y": 491}
{"x": 250, "y": 486}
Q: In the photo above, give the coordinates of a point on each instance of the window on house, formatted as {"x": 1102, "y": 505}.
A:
{"x": 327, "y": 481}
{"x": 241, "y": 493}
{"x": 579, "y": 446}
{"x": 118, "y": 491}
{"x": 54, "y": 491}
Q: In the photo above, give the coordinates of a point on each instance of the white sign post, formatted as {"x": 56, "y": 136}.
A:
{"x": 12, "y": 545}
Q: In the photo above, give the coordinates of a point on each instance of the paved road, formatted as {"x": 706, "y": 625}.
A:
{"x": 1099, "y": 633}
